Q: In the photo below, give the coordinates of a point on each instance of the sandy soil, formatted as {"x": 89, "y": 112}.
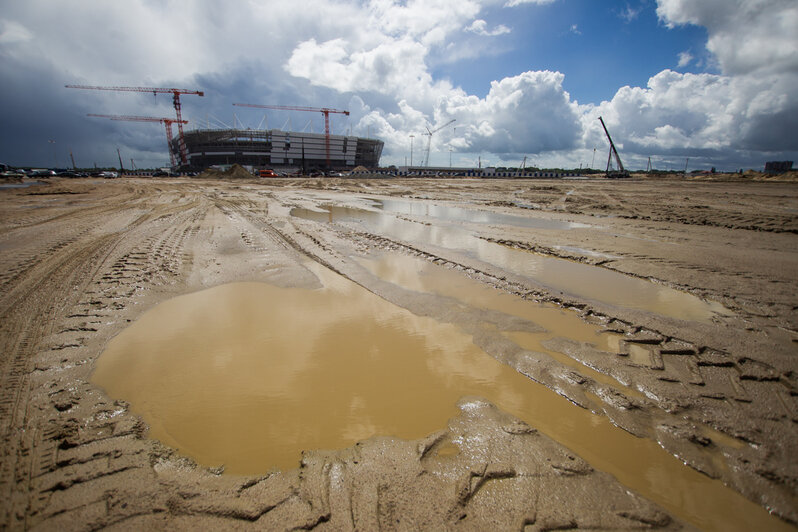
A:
{"x": 80, "y": 259}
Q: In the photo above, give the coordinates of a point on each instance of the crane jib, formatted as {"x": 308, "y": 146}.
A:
{"x": 181, "y": 143}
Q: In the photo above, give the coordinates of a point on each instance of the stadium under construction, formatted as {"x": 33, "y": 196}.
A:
{"x": 273, "y": 148}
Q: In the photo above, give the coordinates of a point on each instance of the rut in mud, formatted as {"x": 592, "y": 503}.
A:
{"x": 83, "y": 261}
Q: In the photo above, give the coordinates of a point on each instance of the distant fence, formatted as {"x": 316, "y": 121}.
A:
{"x": 485, "y": 175}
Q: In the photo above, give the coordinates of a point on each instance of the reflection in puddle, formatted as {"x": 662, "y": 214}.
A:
{"x": 638, "y": 463}
{"x": 614, "y": 342}
{"x": 248, "y": 374}
{"x": 404, "y": 271}
{"x": 569, "y": 277}
{"x": 332, "y": 214}
{"x": 459, "y": 214}
{"x": 640, "y": 354}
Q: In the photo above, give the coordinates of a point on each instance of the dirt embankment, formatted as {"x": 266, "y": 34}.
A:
{"x": 81, "y": 259}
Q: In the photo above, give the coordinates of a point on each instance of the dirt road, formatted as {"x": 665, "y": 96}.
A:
{"x": 714, "y": 384}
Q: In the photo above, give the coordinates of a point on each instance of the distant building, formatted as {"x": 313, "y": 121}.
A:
{"x": 273, "y": 148}
{"x": 778, "y": 167}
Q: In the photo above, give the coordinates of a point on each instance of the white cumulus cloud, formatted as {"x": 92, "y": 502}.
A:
{"x": 699, "y": 113}
{"x": 513, "y": 3}
{"x": 527, "y": 112}
{"x": 380, "y": 58}
{"x": 745, "y": 36}
{"x": 479, "y": 27}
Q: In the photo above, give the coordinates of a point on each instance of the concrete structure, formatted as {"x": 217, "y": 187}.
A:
{"x": 273, "y": 148}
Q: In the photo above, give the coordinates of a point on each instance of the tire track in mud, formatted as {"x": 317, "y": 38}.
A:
{"x": 52, "y": 234}
{"x": 643, "y": 205}
{"x": 81, "y": 461}
{"x": 744, "y": 399}
{"x": 56, "y": 302}
{"x": 82, "y": 476}
{"x": 737, "y": 303}
{"x": 24, "y": 328}
{"x": 281, "y": 238}
{"x": 89, "y": 453}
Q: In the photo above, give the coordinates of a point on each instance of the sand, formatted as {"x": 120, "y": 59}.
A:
{"x": 81, "y": 259}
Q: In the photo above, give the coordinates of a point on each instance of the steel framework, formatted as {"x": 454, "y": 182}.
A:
{"x": 155, "y": 91}
{"x": 323, "y": 110}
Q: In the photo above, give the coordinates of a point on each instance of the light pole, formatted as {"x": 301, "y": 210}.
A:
{"x": 55, "y": 161}
{"x": 411, "y": 149}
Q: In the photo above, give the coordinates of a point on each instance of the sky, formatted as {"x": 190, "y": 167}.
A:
{"x": 702, "y": 83}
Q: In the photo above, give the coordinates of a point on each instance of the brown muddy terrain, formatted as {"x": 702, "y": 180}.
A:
{"x": 654, "y": 322}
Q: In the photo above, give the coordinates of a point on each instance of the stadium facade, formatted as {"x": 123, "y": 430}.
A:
{"x": 273, "y": 148}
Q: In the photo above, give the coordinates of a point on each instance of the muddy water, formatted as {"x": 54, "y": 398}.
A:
{"x": 639, "y": 463}
{"x": 248, "y": 375}
{"x": 568, "y": 277}
{"x": 458, "y": 214}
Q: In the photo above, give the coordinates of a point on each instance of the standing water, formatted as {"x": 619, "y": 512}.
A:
{"x": 569, "y": 277}
{"x": 249, "y": 375}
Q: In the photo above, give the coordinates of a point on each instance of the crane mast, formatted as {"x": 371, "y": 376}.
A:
{"x": 167, "y": 122}
{"x": 429, "y": 140}
{"x": 323, "y": 110}
{"x": 181, "y": 143}
{"x": 613, "y": 152}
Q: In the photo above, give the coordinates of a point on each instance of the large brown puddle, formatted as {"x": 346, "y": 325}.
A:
{"x": 248, "y": 375}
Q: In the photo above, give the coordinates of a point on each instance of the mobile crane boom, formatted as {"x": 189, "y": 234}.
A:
{"x": 613, "y": 151}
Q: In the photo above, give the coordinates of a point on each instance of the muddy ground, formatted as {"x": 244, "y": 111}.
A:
{"x": 81, "y": 259}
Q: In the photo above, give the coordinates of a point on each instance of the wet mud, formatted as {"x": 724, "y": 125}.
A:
{"x": 657, "y": 417}
{"x": 567, "y": 276}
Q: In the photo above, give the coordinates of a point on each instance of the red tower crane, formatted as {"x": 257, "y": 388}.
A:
{"x": 165, "y": 121}
{"x": 323, "y": 110}
{"x": 155, "y": 90}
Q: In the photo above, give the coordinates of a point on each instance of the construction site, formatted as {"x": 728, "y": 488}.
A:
{"x": 299, "y": 153}
{"x": 488, "y": 349}
{"x": 257, "y": 149}
{"x": 398, "y": 353}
